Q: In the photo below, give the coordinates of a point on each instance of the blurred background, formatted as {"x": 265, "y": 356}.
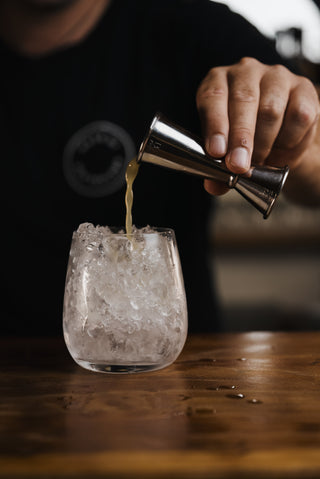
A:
{"x": 268, "y": 271}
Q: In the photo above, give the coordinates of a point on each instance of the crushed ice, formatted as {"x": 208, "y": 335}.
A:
{"x": 124, "y": 288}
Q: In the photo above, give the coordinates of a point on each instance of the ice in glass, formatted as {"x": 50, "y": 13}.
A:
{"x": 124, "y": 306}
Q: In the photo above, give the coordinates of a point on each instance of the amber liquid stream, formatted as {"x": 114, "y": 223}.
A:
{"x": 131, "y": 173}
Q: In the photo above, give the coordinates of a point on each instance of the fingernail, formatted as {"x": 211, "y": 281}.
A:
{"x": 239, "y": 158}
{"x": 217, "y": 145}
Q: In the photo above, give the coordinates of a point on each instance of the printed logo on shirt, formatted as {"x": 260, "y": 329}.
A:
{"x": 95, "y": 159}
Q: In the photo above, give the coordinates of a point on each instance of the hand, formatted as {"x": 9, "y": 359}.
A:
{"x": 254, "y": 112}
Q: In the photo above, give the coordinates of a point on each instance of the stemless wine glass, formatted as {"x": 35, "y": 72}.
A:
{"x": 124, "y": 305}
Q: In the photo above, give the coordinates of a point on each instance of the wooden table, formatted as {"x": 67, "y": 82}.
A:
{"x": 233, "y": 405}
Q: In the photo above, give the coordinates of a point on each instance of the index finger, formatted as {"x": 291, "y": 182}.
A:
{"x": 244, "y": 96}
{"x": 212, "y": 104}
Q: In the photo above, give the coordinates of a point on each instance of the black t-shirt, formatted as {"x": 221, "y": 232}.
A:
{"x": 71, "y": 121}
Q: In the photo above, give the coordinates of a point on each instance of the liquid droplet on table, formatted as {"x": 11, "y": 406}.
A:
{"x": 235, "y": 396}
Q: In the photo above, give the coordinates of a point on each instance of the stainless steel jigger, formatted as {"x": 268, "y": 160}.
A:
{"x": 172, "y": 147}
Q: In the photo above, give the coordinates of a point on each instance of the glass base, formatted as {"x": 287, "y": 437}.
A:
{"x": 119, "y": 368}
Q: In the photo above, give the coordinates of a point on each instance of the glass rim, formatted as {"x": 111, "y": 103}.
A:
{"x": 155, "y": 230}
{"x": 120, "y": 231}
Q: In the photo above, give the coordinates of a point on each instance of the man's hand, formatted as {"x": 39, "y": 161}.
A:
{"x": 255, "y": 112}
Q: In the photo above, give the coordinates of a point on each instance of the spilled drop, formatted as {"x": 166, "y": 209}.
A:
{"x": 254, "y": 401}
{"x": 220, "y": 387}
{"x": 235, "y": 396}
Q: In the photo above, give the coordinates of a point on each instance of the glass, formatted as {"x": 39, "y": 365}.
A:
{"x": 124, "y": 306}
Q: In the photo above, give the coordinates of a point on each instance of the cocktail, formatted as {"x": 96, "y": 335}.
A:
{"x": 124, "y": 306}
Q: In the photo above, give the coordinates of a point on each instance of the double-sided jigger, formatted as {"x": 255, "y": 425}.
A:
{"x": 171, "y": 146}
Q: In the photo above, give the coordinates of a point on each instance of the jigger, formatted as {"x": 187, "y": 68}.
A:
{"x": 173, "y": 147}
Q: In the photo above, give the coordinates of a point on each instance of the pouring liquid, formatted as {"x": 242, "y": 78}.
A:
{"x": 131, "y": 173}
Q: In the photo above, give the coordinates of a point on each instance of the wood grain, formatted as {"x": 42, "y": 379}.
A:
{"x": 232, "y": 405}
